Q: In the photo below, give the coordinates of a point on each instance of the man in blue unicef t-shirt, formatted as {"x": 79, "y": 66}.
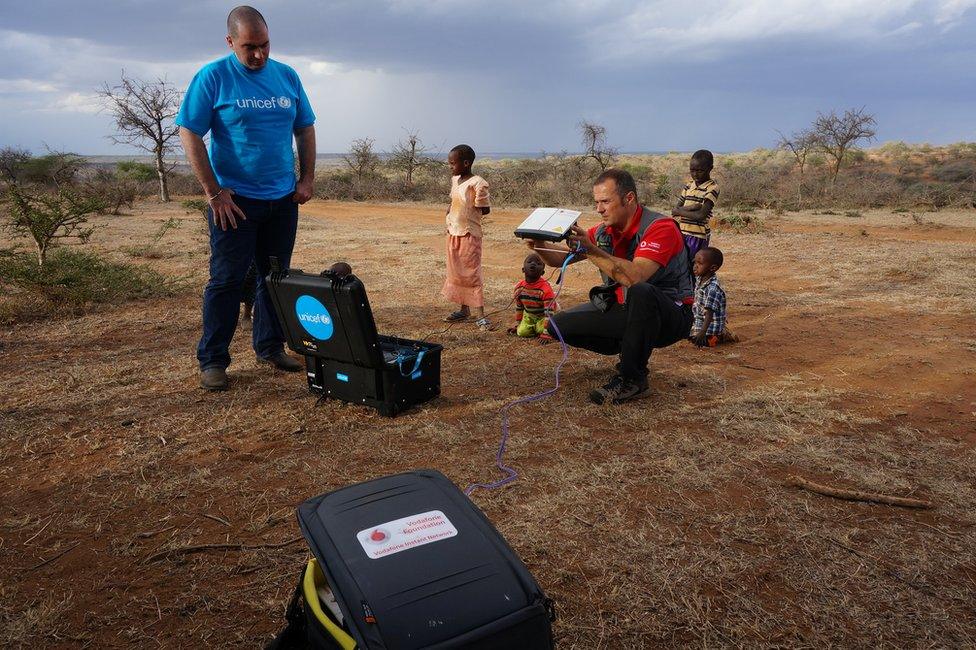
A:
{"x": 252, "y": 107}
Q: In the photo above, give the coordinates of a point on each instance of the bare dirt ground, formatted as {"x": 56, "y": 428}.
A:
{"x": 665, "y": 522}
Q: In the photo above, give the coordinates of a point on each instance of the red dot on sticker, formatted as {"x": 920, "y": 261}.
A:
{"x": 378, "y": 536}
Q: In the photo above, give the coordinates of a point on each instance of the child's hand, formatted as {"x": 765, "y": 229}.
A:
{"x": 699, "y": 339}
{"x": 513, "y": 329}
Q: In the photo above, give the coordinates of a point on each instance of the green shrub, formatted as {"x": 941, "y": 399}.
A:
{"x": 955, "y": 171}
{"x": 115, "y": 191}
{"x": 741, "y": 223}
{"x": 72, "y": 281}
{"x": 137, "y": 171}
{"x": 195, "y": 205}
{"x": 150, "y": 250}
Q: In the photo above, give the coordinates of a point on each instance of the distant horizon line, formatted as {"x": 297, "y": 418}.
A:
{"x": 536, "y": 154}
{"x": 321, "y": 154}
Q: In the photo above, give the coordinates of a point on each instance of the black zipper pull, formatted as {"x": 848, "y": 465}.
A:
{"x": 550, "y": 608}
{"x": 368, "y": 614}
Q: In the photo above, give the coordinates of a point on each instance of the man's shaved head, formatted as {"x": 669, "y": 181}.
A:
{"x": 241, "y": 16}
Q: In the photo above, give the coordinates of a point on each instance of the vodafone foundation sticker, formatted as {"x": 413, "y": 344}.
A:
{"x": 402, "y": 534}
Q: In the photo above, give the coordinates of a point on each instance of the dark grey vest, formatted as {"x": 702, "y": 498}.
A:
{"x": 674, "y": 279}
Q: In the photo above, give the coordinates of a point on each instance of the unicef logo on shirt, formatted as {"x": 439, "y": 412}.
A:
{"x": 314, "y": 317}
{"x": 257, "y": 102}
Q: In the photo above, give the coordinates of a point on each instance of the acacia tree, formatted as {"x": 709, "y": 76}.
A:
{"x": 52, "y": 171}
{"x": 835, "y": 135}
{"x": 361, "y": 159}
{"x": 44, "y": 201}
{"x": 144, "y": 112}
{"x": 49, "y": 216}
{"x": 594, "y": 140}
{"x": 12, "y": 160}
{"x": 801, "y": 144}
{"x": 409, "y": 155}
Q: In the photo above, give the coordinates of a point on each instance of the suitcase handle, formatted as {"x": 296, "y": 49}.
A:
{"x": 277, "y": 273}
{"x": 416, "y": 366}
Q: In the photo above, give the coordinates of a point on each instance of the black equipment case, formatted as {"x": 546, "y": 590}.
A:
{"x": 327, "y": 319}
{"x": 413, "y": 563}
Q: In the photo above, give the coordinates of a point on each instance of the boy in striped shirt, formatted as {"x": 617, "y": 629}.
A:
{"x": 534, "y": 301}
{"x": 696, "y": 201}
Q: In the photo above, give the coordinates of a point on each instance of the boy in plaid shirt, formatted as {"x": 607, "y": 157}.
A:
{"x": 710, "y": 326}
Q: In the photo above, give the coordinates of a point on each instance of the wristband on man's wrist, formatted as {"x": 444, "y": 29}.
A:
{"x": 219, "y": 192}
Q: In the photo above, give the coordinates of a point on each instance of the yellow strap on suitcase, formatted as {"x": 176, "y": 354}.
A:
{"x": 313, "y": 578}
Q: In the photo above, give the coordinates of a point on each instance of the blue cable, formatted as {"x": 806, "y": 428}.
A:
{"x": 511, "y": 474}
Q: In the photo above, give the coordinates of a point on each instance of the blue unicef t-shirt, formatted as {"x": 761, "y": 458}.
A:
{"x": 251, "y": 116}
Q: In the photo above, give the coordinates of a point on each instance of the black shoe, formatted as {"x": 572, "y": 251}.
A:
{"x": 282, "y": 361}
{"x": 619, "y": 390}
{"x": 213, "y": 379}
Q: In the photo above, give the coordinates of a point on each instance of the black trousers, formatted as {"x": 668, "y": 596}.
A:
{"x": 649, "y": 320}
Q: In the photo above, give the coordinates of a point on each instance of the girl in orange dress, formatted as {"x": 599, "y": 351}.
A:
{"x": 470, "y": 201}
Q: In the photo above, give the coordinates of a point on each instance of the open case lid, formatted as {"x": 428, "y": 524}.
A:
{"x": 326, "y": 316}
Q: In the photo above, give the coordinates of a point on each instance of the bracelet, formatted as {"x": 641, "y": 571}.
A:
{"x": 219, "y": 192}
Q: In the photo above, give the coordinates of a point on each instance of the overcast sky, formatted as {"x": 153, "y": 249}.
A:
{"x": 517, "y": 75}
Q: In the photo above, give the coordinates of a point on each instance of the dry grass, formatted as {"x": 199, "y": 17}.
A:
{"x": 669, "y": 522}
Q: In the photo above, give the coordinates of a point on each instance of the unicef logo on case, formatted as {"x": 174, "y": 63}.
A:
{"x": 314, "y": 317}
{"x": 284, "y": 102}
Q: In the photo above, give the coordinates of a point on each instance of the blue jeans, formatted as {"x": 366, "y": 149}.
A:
{"x": 649, "y": 319}
{"x": 268, "y": 231}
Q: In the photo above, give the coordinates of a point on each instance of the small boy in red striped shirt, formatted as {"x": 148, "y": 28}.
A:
{"x": 534, "y": 300}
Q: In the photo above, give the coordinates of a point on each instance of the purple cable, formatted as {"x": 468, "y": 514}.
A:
{"x": 511, "y": 474}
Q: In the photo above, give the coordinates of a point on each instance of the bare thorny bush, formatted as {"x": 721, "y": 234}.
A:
{"x": 891, "y": 176}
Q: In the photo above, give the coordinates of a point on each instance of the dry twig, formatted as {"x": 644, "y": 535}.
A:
{"x": 857, "y": 495}
{"x": 200, "y": 548}
{"x": 151, "y": 533}
{"x": 56, "y": 557}
{"x": 216, "y": 518}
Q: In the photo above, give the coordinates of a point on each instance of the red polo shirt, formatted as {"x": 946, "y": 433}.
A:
{"x": 660, "y": 243}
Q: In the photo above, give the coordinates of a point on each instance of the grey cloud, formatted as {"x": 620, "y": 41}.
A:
{"x": 524, "y": 72}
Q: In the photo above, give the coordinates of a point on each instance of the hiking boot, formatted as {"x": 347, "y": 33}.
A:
{"x": 619, "y": 390}
{"x": 282, "y": 361}
{"x": 213, "y": 379}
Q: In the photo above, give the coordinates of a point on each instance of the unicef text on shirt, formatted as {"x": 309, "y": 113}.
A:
{"x": 274, "y": 102}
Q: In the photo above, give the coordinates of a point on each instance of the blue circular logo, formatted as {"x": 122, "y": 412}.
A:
{"x": 314, "y": 317}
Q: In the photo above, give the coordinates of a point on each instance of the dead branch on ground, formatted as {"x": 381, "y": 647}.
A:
{"x": 201, "y": 548}
{"x": 857, "y": 495}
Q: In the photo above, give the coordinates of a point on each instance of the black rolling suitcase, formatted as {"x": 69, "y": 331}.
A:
{"x": 327, "y": 319}
{"x": 411, "y": 563}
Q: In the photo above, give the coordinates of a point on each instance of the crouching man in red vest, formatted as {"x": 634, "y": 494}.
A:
{"x": 647, "y": 292}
